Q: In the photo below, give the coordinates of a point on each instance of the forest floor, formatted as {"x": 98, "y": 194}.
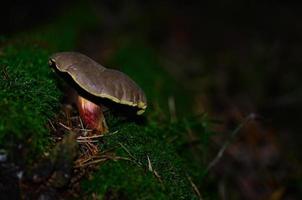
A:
{"x": 216, "y": 127}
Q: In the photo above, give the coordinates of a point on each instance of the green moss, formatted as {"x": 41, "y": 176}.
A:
{"x": 124, "y": 181}
{"x": 28, "y": 95}
{"x": 28, "y": 92}
{"x": 132, "y": 178}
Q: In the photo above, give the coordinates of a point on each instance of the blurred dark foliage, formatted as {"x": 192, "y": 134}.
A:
{"x": 18, "y": 15}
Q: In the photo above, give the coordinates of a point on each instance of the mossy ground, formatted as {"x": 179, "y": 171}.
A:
{"x": 163, "y": 147}
{"x": 30, "y": 98}
{"x": 28, "y": 95}
{"x": 28, "y": 89}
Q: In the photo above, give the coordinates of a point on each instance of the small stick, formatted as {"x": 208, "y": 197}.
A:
{"x": 195, "y": 188}
{"x": 120, "y": 158}
{"x": 89, "y": 137}
{"x": 5, "y": 74}
{"x": 81, "y": 129}
{"x": 85, "y": 141}
{"x": 102, "y": 159}
{"x": 92, "y": 162}
{"x": 149, "y": 164}
{"x": 150, "y": 168}
{"x": 68, "y": 128}
{"x": 67, "y": 113}
{"x": 109, "y": 134}
{"x": 92, "y": 148}
{"x": 157, "y": 176}
{"x": 82, "y": 125}
{"x": 51, "y": 124}
{"x": 127, "y": 151}
{"x": 228, "y": 142}
{"x": 172, "y": 108}
{"x": 134, "y": 159}
{"x": 221, "y": 190}
{"x": 83, "y": 160}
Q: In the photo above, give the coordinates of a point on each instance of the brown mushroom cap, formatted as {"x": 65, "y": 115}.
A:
{"x": 100, "y": 81}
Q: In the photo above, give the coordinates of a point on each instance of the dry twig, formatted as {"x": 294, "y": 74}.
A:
{"x": 149, "y": 164}
{"x": 134, "y": 159}
{"x": 51, "y": 124}
{"x": 195, "y": 188}
{"x": 64, "y": 126}
{"x": 228, "y": 142}
{"x": 150, "y": 168}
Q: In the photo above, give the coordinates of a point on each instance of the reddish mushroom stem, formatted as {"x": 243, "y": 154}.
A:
{"x": 92, "y": 115}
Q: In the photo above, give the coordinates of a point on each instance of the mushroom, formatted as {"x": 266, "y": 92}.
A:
{"x": 99, "y": 83}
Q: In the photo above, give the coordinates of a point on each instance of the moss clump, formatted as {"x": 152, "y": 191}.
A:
{"x": 120, "y": 180}
{"x": 28, "y": 92}
{"x": 28, "y": 96}
{"x": 133, "y": 178}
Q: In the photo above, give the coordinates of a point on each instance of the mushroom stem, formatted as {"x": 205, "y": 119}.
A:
{"x": 92, "y": 115}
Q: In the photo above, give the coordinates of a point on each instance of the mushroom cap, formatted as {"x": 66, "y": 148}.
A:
{"x": 100, "y": 81}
